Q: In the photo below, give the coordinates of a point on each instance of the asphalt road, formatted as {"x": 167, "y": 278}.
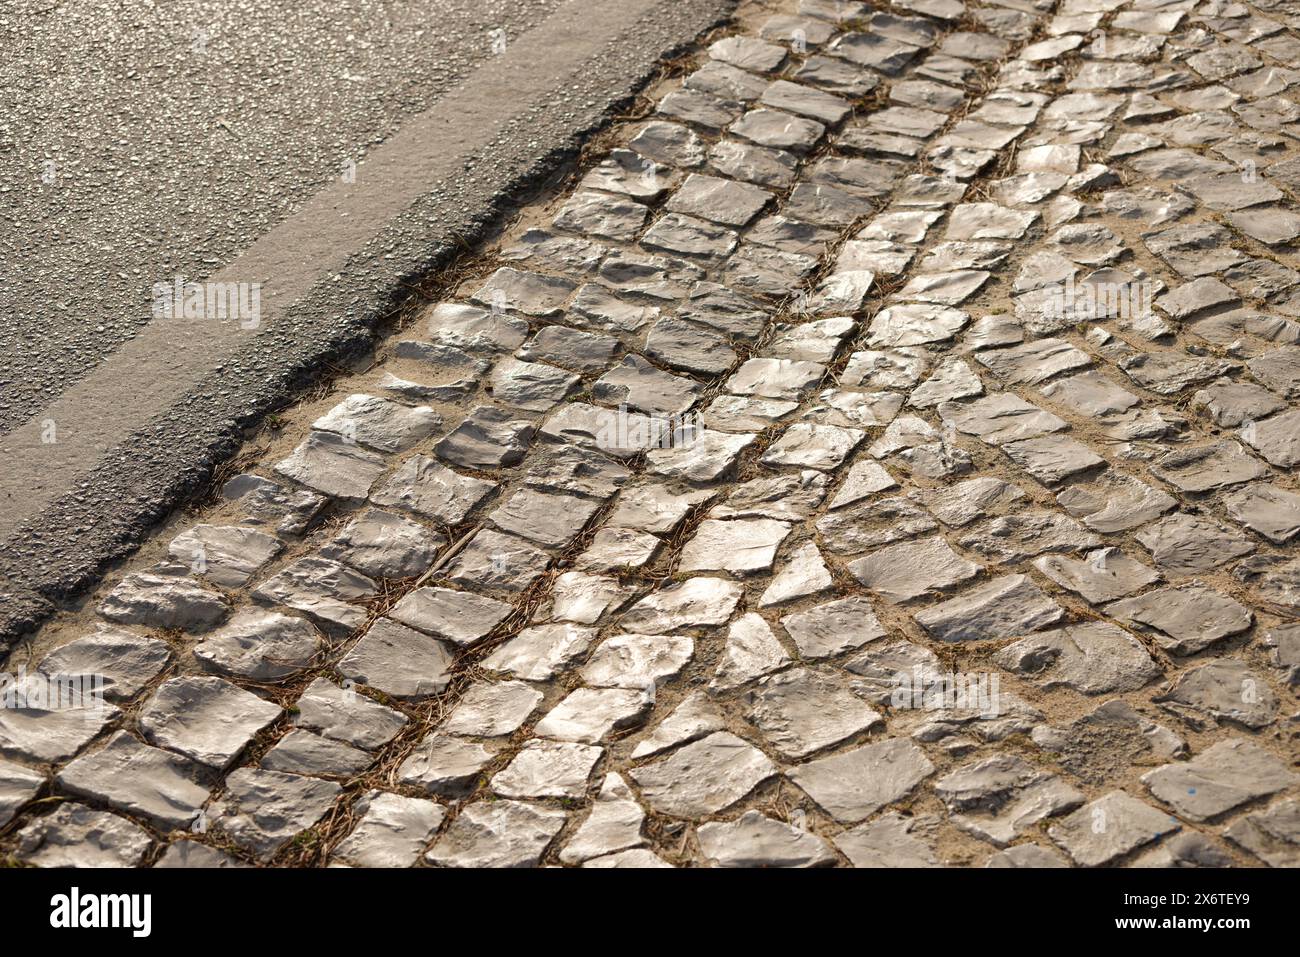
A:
{"x": 323, "y": 153}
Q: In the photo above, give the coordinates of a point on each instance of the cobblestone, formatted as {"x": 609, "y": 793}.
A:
{"x": 893, "y": 353}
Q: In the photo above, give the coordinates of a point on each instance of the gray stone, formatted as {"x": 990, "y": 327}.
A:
{"x": 488, "y": 438}
{"x": 227, "y": 555}
{"x": 748, "y": 53}
{"x": 912, "y": 325}
{"x": 1002, "y": 417}
{"x": 704, "y": 777}
{"x": 327, "y": 592}
{"x": 32, "y": 728}
{"x": 532, "y": 293}
{"x": 262, "y": 811}
{"x": 575, "y": 470}
{"x": 1225, "y": 775}
{"x": 1272, "y": 835}
{"x": 532, "y": 386}
{"x": 960, "y": 504}
{"x": 751, "y": 651}
{"x": 124, "y": 662}
{"x": 1185, "y": 618}
{"x": 754, "y": 840}
{"x": 1276, "y": 438}
{"x": 492, "y": 561}
{"x": 192, "y": 854}
{"x": 668, "y": 143}
{"x": 585, "y": 352}
{"x": 595, "y": 306}
{"x": 344, "y": 714}
{"x": 1207, "y": 467}
{"x": 863, "y": 478}
{"x": 1169, "y": 374}
{"x": 302, "y": 752}
{"x": 910, "y": 569}
{"x": 1013, "y": 538}
{"x": 267, "y": 502}
{"x": 431, "y": 489}
{"x": 693, "y": 603}
{"x": 1189, "y": 849}
{"x": 617, "y": 550}
{"x": 784, "y": 497}
{"x": 541, "y": 652}
{"x": 588, "y": 714}
{"x": 778, "y": 130}
{"x": 77, "y": 836}
{"x": 392, "y": 832}
{"x": 548, "y": 769}
{"x": 492, "y": 709}
{"x": 1053, "y": 458}
{"x": 801, "y": 711}
{"x": 869, "y": 524}
{"x": 143, "y": 781}
{"x": 480, "y": 330}
{"x": 775, "y": 378}
{"x": 691, "y": 720}
{"x": 1001, "y": 608}
{"x": 1275, "y": 580}
{"x": 853, "y": 785}
{"x": 719, "y": 200}
{"x": 1034, "y": 362}
{"x": 163, "y": 601}
{"x": 207, "y": 719}
{"x": 890, "y": 841}
{"x": 398, "y": 661}
{"x": 804, "y": 575}
{"x": 1092, "y": 658}
{"x": 383, "y": 545}
{"x": 1184, "y": 544}
{"x": 330, "y": 464}
{"x": 378, "y": 423}
{"x": 1000, "y": 798}
{"x": 737, "y": 546}
{"x": 1284, "y": 641}
{"x": 547, "y": 519}
{"x": 1195, "y": 250}
{"x": 497, "y": 834}
{"x": 260, "y": 646}
{"x": 637, "y": 661}
{"x": 1110, "y": 827}
{"x": 879, "y": 667}
{"x": 1026, "y": 855}
{"x": 708, "y": 457}
{"x": 1103, "y": 575}
{"x": 456, "y": 616}
{"x": 1115, "y": 502}
{"x": 18, "y": 785}
{"x": 639, "y": 385}
{"x": 445, "y": 765}
{"x": 1222, "y": 689}
{"x": 614, "y": 824}
{"x": 1090, "y": 394}
{"x": 834, "y": 627}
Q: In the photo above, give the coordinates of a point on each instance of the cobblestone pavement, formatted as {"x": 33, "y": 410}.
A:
{"x": 883, "y": 455}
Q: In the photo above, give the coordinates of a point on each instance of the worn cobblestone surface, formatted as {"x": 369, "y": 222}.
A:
{"x": 466, "y": 610}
